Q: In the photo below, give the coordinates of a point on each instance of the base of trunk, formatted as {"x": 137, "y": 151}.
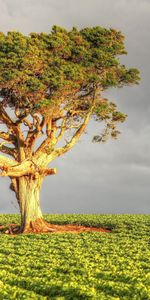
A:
{"x": 37, "y": 226}
{"x": 41, "y": 226}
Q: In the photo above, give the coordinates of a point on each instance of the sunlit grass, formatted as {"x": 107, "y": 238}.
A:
{"x": 87, "y": 265}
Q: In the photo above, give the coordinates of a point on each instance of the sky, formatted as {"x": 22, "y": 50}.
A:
{"x": 109, "y": 178}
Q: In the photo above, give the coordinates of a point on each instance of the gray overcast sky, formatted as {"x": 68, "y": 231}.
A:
{"x": 92, "y": 178}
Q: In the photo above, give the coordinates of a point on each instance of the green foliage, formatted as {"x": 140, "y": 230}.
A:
{"x": 118, "y": 116}
{"x": 110, "y": 40}
{"x": 78, "y": 266}
{"x": 58, "y": 65}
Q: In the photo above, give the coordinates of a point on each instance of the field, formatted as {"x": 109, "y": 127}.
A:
{"x": 89, "y": 265}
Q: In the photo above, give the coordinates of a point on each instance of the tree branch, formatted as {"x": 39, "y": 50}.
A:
{"x": 62, "y": 131}
{"x": 34, "y": 134}
{"x": 5, "y": 117}
{"x": 26, "y": 168}
{"x": 7, "y": 150}
{"x": 7, "y": 137}
{"x": 50, "y": 140}
{"x": 75, "y": 138}
{"x": 6, "y": 162}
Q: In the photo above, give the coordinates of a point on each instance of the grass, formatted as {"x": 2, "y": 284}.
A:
{"x": 89, "y": 265}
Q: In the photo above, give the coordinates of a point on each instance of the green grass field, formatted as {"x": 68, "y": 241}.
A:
{"x": 89, "y": 265}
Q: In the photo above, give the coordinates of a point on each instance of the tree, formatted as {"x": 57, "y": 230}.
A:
{"x": 51, "y": 85}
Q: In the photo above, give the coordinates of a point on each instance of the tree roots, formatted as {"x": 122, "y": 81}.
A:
{"x": 40, "y": 226}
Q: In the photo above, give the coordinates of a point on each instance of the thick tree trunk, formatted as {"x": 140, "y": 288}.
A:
{"x": 29, "y": 201}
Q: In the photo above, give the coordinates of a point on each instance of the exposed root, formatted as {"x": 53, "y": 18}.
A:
{"x": 37, "y": 226}
{"x": 9, "y": 229}
{"x": 41, "y": 226}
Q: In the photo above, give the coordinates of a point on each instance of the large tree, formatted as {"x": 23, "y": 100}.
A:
{"x": 51, "y": 85}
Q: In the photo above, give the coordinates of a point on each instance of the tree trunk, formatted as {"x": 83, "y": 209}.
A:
{"x": 29, "y": 201}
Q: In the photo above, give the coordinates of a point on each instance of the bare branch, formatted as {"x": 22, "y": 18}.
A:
{"x": 27, "y": 123}
{"x": 62, "y": 131}
{"x": 5, "y": 117}
{"x": 34, "y": 134}
{"x": 26, "y": 168}
{"x": 6, "y": 162}
{"x": 7, "y": 150}
{"x": 50, "y": 141}
{"x": 13, "y": 127}
{"x": 75, "y": 138}
{"x": 17, "y": 170}
{"x": 7, "y": 137}
{"x": 36, "y": 121}
{"x": 48, "y": 127}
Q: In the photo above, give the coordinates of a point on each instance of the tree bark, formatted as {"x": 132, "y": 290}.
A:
{"x": 29, "y": 202}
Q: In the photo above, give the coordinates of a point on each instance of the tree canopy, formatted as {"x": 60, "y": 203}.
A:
{"x": 60, "y": 71}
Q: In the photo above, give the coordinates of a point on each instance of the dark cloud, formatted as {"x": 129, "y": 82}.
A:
{"x": 105, "y": 178}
